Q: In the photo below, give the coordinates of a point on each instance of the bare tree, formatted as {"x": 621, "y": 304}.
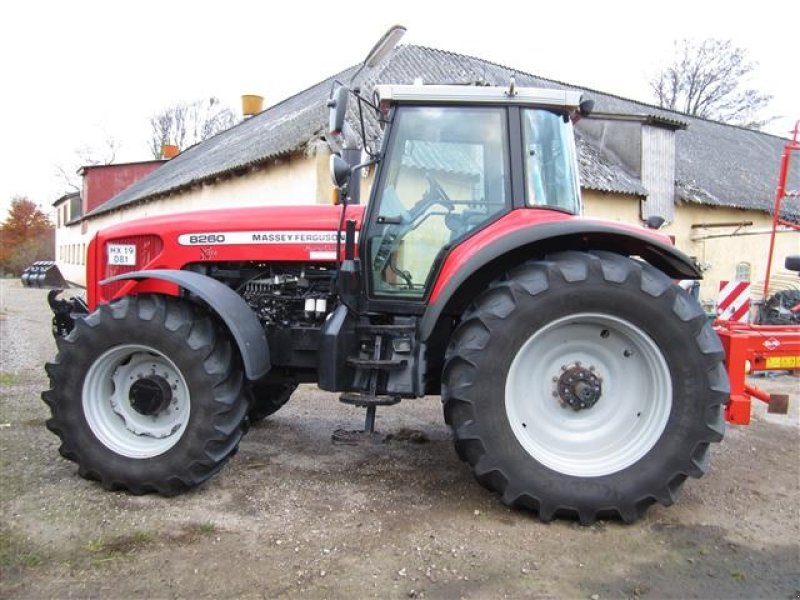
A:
{"x": 709, "y": 79}
{"x": 184, "y": 125}
{"x": 88, "y": 155}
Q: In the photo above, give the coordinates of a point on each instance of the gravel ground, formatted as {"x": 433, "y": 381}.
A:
{"x": 293, "y": 516}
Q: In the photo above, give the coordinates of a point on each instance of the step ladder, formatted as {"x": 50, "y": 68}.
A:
{"x": 371, "y": 368}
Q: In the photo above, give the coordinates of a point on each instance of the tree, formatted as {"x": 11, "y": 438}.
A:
{"x": 26, "y": 235}
{"x": 88, "y": 155}
{"x": 184, "y": 125}
{"x": 709, "y": 79}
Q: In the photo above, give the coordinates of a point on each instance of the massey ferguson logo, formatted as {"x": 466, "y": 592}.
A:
{"x": 226, "y": 238}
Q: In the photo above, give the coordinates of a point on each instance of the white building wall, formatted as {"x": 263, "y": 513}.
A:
{"x": 71, "y": 253}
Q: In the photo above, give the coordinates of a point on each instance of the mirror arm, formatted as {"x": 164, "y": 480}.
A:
{"x": 363, "y": 127}
{"x": 373, "y": 161}
{"x": 356, "y": 91}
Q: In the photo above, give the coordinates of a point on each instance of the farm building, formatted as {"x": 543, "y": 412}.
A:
{"x": 714, "y": 184}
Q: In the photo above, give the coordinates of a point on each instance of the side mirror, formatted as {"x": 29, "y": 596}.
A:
{"x": 384, "y": 46}
{"x": 338, "y": 108}
{"x": 340, "y": 171}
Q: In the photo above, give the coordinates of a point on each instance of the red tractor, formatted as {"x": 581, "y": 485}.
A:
{"x": 577, "y": 378}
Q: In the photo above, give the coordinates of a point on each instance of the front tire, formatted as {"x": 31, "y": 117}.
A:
{"x": 146, "y": 395}
{"x": 585, "y": 385}
{"x": 267, "y": 398}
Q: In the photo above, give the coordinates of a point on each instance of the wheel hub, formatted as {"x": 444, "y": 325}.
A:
{"x": 578, "y": 388}
{"x": 136, "y": 401}
{"x": 604, "y": 355}
{"x": 150, "y": 395}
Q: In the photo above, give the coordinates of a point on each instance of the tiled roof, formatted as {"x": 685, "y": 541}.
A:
{"x": 717, "y": 164}
{"x": 280, "y": 130}
{"x": 599, "y": 172}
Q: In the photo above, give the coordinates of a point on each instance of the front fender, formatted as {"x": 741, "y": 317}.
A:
{"x": 468, "y": 269}
{"x": 240, "y": 320}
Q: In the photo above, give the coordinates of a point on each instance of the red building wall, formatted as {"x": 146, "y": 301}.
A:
{"x": 103, "y": 182}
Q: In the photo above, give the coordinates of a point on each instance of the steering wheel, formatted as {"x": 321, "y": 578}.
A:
{"x": 435, "y": 195}
{"x": 394, "y": 234}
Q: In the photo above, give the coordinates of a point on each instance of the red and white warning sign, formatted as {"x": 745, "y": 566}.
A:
{"x": 734, "y": 301}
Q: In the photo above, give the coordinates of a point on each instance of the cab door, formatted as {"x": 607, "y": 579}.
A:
{"x": 445, "y": 175}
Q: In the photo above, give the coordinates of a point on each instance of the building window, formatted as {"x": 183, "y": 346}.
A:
{"x": 743, "y": 271}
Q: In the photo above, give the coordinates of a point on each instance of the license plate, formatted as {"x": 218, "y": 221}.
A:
{"x": 783, "y": 362}
{"x": 122, "y": 254}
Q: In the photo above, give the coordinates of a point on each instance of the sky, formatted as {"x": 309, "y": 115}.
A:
{"x": 75, "y": 74}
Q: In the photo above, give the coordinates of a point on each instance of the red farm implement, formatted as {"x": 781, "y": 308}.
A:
{"x": 757, "y": 348}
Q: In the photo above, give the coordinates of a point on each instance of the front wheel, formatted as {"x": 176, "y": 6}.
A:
{"x": 146, "y": 395}
{"x": 585, "y": 385}
{"x": 267, "y": 398}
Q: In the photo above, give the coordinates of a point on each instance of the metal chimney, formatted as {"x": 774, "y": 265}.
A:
{"x": 252, "y": 105}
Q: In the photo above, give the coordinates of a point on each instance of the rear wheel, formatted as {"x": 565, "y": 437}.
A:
{"x": 585, "y": 385}
{"x": 146, "y": 395}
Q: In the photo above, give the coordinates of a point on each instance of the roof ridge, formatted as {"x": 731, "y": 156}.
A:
{"x": 589, "y": 89}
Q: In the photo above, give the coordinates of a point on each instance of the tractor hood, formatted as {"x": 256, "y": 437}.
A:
{"x": 178, "y": 241}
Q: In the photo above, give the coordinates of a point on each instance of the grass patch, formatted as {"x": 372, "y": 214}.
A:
{"x": 15, "y": 554}
{"x": 106, "y": 549}
{"x": 204, "y": 528}
{"x": 8, "y": 378}
{"x": 110, "y": 548}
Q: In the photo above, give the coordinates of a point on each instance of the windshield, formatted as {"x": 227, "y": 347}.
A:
{"x": 550, "y": 166}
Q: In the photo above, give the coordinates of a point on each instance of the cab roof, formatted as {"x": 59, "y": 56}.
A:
{"x": 468, "y": 94}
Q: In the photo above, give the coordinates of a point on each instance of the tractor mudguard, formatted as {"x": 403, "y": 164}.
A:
{"x": 243, "y": 325}
{"x": 481, "y": 267}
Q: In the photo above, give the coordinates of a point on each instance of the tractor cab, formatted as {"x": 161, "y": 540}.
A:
{"x": 449, "y": 166}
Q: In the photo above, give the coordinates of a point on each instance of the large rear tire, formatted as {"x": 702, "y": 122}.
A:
{"x": 146, "y": 395}
{"x": 585, "y": 385}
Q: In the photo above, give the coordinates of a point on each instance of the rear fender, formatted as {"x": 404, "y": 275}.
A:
{"x": 240, "y": 320}
{"x": 467, "y": 272}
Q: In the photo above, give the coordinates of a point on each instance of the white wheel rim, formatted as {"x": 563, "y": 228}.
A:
{"x": 625, "y": 422}
{"x": 110, "y": 413}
